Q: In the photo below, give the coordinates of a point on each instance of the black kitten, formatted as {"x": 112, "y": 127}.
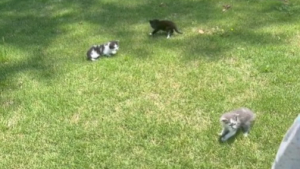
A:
{"x": 163, "y": 25}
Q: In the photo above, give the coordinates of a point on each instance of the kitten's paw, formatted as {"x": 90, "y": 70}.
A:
{"x": 245, "y": 134}
{"x": 223, "y": 139}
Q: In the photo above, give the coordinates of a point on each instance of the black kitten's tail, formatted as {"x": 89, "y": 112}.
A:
{"x": 177, "y": 30}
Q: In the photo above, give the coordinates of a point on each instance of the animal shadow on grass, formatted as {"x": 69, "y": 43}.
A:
{"x": 159, "y": 34}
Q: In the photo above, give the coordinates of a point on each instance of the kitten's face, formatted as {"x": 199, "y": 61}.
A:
{"x": 233, "y": 123}
{"x": 114, "y": 45}
{"x": 153, "y": 23}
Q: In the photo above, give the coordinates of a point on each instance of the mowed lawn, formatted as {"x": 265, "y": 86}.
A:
{"x": 156, "y": 103}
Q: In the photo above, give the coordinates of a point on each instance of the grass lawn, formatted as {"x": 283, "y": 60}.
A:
{"x": 157, "y": 103}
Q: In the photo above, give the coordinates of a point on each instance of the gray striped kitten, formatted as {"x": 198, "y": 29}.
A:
{"x": 232, "y": 121}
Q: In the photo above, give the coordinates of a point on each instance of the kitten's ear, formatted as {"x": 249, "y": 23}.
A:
{"x": 223, "y": 119}
{"x": 237, "y": 117}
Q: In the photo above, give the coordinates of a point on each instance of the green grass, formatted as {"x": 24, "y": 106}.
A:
{"x": 157, "y": 103}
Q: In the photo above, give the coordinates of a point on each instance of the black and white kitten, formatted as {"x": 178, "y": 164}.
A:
{"x": 107, "y": 49}
{"x": 241, "y": 118}
{"x": 163, "y": 25}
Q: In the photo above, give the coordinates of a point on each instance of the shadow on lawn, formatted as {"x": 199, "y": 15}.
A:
{"x": 32, "y": 26}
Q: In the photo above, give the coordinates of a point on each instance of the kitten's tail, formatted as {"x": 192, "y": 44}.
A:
{"x": 177, "y": 30}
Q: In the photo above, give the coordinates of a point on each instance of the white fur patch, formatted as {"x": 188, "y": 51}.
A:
{"x": 168, "y": 36}
{"x": 94, "y": 55}
{"x": 107, "y": 51}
